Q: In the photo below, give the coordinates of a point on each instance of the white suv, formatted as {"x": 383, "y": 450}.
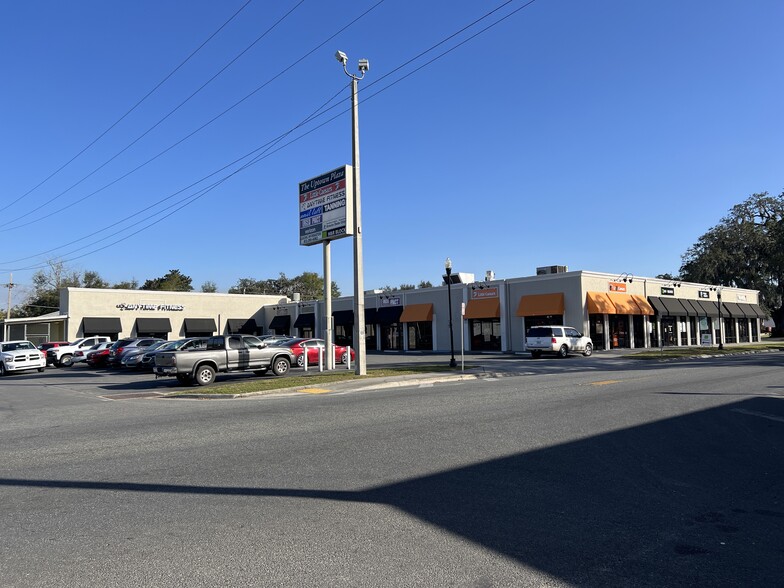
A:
{"x": 16, "y": 356}
{"x": 63, "y": 355}
{"x": 557, "y": 339}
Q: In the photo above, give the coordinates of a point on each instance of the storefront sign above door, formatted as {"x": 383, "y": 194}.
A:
{"x": 617, "y": 287}
{"x": 666, "y": 291}
{"x": 484, "y": 293}
{"x": 158, "y": 307}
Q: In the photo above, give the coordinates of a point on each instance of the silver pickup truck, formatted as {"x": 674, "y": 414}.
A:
{"x": 232, "y": 353}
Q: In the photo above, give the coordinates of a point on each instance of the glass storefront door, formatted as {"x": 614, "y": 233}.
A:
{"x": 596, "y": 323}
{"x": 485, "y": 334}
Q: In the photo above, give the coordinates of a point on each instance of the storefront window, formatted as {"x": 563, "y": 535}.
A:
{"x": 743, "y": 330}
{"x": 344, "y": 335}
{"x": 392, "y": 337}
{"x": 683, "y": 330}
{"x": 370, "y": 337}
{"x": 420, "y": 335}
{"x": 754, "y": 332}
{"x": 705, "y": 331}
{"x": 538, "y": 321}
{"x": 729, "y": 330}
{"x": 597, "y": 330}
{"x": 619, "y": 331}
{"x": 485, "y": 334}
{"x": 638, "y": 323}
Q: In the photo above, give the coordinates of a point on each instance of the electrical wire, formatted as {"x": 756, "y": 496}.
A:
{"x": 149, "y": 130}
{"x": 267, "y": 149}
{"x": 134, "y": 107}
{"x": 180, "y": 141}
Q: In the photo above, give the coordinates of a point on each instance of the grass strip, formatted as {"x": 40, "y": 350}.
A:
{"x": 682, "y": 352}
{"x": 270, "y": 383}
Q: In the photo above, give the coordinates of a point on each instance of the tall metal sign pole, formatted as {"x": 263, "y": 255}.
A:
{"x": 359, "y": 280}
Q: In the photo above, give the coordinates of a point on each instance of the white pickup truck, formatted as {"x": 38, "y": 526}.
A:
{"x": 63, "y": 355}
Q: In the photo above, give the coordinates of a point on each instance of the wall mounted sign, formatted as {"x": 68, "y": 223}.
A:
{"x": 704, "y": 294}
{"x": 617, "y": 287}
{"x": 153, "y": 307}
{"x": 484, "y": 293}
{"x": 390, "y": 301}
{"x": 742, "y": 298}
{"x": 666, "y": 291}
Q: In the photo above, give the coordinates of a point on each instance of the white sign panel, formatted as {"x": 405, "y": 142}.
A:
{"x": 326, "y": 207}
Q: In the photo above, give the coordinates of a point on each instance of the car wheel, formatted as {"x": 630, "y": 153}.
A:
{"x": 344, "y": 357}
{"x": 588, "y": 350}
{"x": 280, "y": 366}
{"x": 66, "y": 360}
{"x": 2, "y": 369}
{"x": 301, "y": 360}
{"x": 563, "y": 351}
{"x": 205, "y": 375}
{"x": 260, "y": 372}
{"x": 536, "y": 354}
{"x": 184, "y": 379}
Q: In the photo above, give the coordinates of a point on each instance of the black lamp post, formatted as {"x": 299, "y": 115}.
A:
{"x": 448, "y": 268}
{"x": 721, "y": 321}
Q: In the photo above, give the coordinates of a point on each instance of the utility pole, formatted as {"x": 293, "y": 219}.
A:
{"x": 10, "y": 286}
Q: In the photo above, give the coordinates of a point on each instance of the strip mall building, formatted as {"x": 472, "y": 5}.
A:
{"x": 492, "y": 315}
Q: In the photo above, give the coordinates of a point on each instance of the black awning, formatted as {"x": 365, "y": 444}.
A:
{"x": 101, "y": 326}
{"x": 692, "y": 307}
{"x": 371, "y": 316}
{"x": 389, "y": 315}
{"x": 343, "y": 317}
{"x": 733, "y": 310}
{"x": 657, "y": 304}
{"x": 306, "y": 319}
{"x": 281, "y": 321}
{"x": 674, "y": 306}
{"x": 747, "y": 310}
{"x": 244, "y": 326}
{"x": 200, "y": 325}
{"x": 153, "y": 325}
{"x": 756, "y": 308}
{"x": 708, "y": 307}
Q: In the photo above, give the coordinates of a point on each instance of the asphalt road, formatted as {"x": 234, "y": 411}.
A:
{"x": 577, "y": 472}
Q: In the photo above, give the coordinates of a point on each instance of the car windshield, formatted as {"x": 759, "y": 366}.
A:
{"x": 18, "y": 345}
{"x": 157, "y": 345}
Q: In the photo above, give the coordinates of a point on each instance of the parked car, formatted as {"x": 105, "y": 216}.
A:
{"x": 132, "y": 357}
{"x": 125, "y": 345}
{"x": 232, "y": 353}
{"x": 62, "y": 355}
{"x": 147, "y": 360}
{"x": 557, "y": 339}
{"x": 80, "y": 355}
{"x": 44, "y": 347}
{"x": 274, "y": 339}
{"x": 99, "y": 356}
{"x": 16, "y": 356}
{"x": 315, "y": 347}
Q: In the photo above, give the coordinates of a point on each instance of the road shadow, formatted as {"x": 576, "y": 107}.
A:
{"x": 692, "y": 500}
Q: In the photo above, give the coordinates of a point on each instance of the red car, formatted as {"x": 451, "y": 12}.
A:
{"x": 315, "y": 347}
{"x": 98, "y": 357}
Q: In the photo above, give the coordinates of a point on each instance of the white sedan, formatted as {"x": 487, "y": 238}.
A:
{"x": 16, "y": 356}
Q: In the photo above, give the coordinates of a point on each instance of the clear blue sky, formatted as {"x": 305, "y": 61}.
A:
{"x": 605, "y": 135}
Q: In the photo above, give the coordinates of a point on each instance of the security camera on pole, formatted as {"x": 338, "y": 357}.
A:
{"x": 359, "y": 285}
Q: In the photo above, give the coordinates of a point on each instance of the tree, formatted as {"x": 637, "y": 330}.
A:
{"x": 209, "y": 287}
{"x": 173, "y": 281}
{"x": 132, "y": 285}
{"x": 45, "y": 295}
{"x": 745, "y": 250}
{"x": 425, "y": 284}
{"x": 407, "y": 287}
{"x": 309, "y": 285}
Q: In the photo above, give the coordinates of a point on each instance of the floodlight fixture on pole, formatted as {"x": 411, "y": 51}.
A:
{"x": 448, "y": 268}
{"x": 359, "y": 340}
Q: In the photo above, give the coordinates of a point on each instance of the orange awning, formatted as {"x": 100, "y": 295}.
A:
{"x": 646, "y": 308}
{"x": 624, "y": 303}
{"x": 599, "y": 303}
{"x": 541, "y": 305}
{"x": 483, "y": 308}
{"x": 416, "y": 313}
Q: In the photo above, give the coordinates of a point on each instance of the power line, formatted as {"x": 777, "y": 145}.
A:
{"x": 267, "y": 149}
{"x": 212, "y": 120}
{"x": 134, "y": 107}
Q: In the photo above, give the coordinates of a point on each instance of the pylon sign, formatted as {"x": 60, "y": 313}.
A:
{"x": 326, "y": 207}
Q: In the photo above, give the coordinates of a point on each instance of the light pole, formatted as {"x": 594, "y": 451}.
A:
{"x": 359, "y": 281}
{"x": 717, "y": 289}
{"x": 448, "y": 268}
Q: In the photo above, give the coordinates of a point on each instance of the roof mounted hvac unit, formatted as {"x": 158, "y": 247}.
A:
{"x": 551, "y": 269}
